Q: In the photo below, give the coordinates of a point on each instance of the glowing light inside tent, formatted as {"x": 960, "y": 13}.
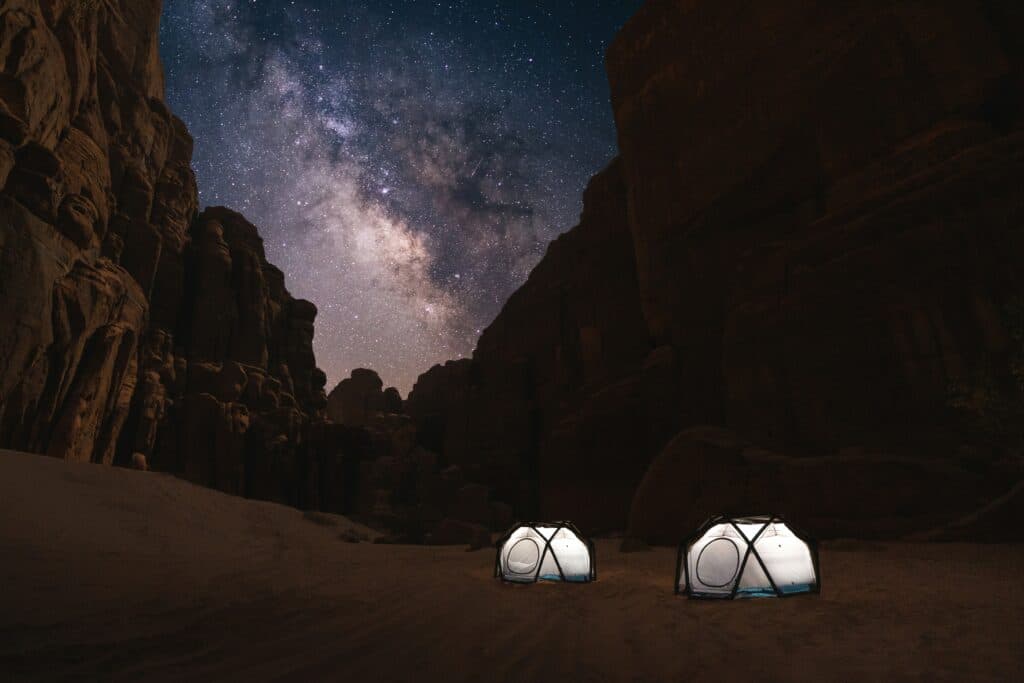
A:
{"x": 747, "y": 557}
{"x": 545, "y": 552}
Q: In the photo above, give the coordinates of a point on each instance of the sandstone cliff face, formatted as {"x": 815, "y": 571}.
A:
{"x": 354, "y": 401}
{"x": 824, "y": 221}
{"x": 228, "y": 389}
{"x": 85, "y": 143}
{"x": 134, "y": 330}
{"x": 817, "y": 220}
{"x": 543, "y": 370}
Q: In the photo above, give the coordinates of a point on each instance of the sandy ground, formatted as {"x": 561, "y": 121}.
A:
{"x": 116, "y": 575}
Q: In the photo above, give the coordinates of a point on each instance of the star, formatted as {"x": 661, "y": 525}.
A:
{"x": 406, "y": 162}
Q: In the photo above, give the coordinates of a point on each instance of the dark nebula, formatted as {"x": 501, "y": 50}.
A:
{"x": 407, "y": 162}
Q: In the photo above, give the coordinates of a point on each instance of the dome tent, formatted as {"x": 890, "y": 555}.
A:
{"x": 753, "y": 556}
{"x": 555, "y": 551}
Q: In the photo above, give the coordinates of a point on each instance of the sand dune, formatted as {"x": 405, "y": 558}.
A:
{"x": 109, "y": 574}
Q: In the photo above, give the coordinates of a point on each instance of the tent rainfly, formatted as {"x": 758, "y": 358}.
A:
{"x": 742, "y": 557}
{"x": 557, "y": 551}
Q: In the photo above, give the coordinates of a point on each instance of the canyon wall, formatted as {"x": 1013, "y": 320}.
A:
{"x": 134, "y": 330}
{"x": 137, "y": 331}
{"x": 798, "y": 288}
{"x": 562, "y": 386}
{"x": 812, "y": 239}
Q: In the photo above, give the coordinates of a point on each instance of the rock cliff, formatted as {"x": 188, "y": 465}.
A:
{"x": 134, "y": 330}
{"x": 812, "y": 238}
{"x": 558, "y": 383}
{"x": 354, "y": 401}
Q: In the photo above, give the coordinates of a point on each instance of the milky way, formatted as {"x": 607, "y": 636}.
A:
{"x": 407, "y": 163}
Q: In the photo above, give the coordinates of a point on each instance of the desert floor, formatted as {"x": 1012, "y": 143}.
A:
{"x": 109, "y": 574}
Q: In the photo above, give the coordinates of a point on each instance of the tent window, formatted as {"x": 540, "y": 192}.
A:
{"x": 718, "y": 563}
{"x": 522, "y": 558}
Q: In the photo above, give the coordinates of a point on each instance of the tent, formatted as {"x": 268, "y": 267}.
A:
{"x": 756, "y": 556}
{"x": 557, "y": 551}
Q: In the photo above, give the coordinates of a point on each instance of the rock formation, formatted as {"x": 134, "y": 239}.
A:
{"x": 853, "y": 493}
{"x": 135, "y": 331}
{"x": 812, "y": 238}
{"x": 402, "y": 485}
{"x": 139, "y": 332}
{"x": 358, "y": 397}
{"x": 559, "y": 381}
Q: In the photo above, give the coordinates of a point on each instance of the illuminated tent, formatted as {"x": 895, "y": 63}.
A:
{"x": 545, "y": 552}
{"x": 740, "y": 557}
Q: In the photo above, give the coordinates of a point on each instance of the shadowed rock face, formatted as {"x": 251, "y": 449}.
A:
{"x": 358, "y": 397}
{"x": 540, "y": 389}
{"x": 855, "y": 493}
{"x": 87, "y": 150}
{"x": 812, "y": 238}
{"x": 134, "y": 330}
{"x": 825, "y": 222}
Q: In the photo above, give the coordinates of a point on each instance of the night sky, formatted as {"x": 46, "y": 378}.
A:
{"x": 407, "y": 162}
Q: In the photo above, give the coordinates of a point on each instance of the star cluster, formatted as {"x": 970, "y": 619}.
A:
{"x": 407, "y": 162}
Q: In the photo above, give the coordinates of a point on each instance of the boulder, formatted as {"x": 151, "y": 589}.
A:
{"x": 356, "y": 398}
{"x": 392, "y": 401}
{"x": 853, "y": 493}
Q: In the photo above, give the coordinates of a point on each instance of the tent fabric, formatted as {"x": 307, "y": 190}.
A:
{"x": 555, "y": 551}
{"x": 752, "y": 556}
